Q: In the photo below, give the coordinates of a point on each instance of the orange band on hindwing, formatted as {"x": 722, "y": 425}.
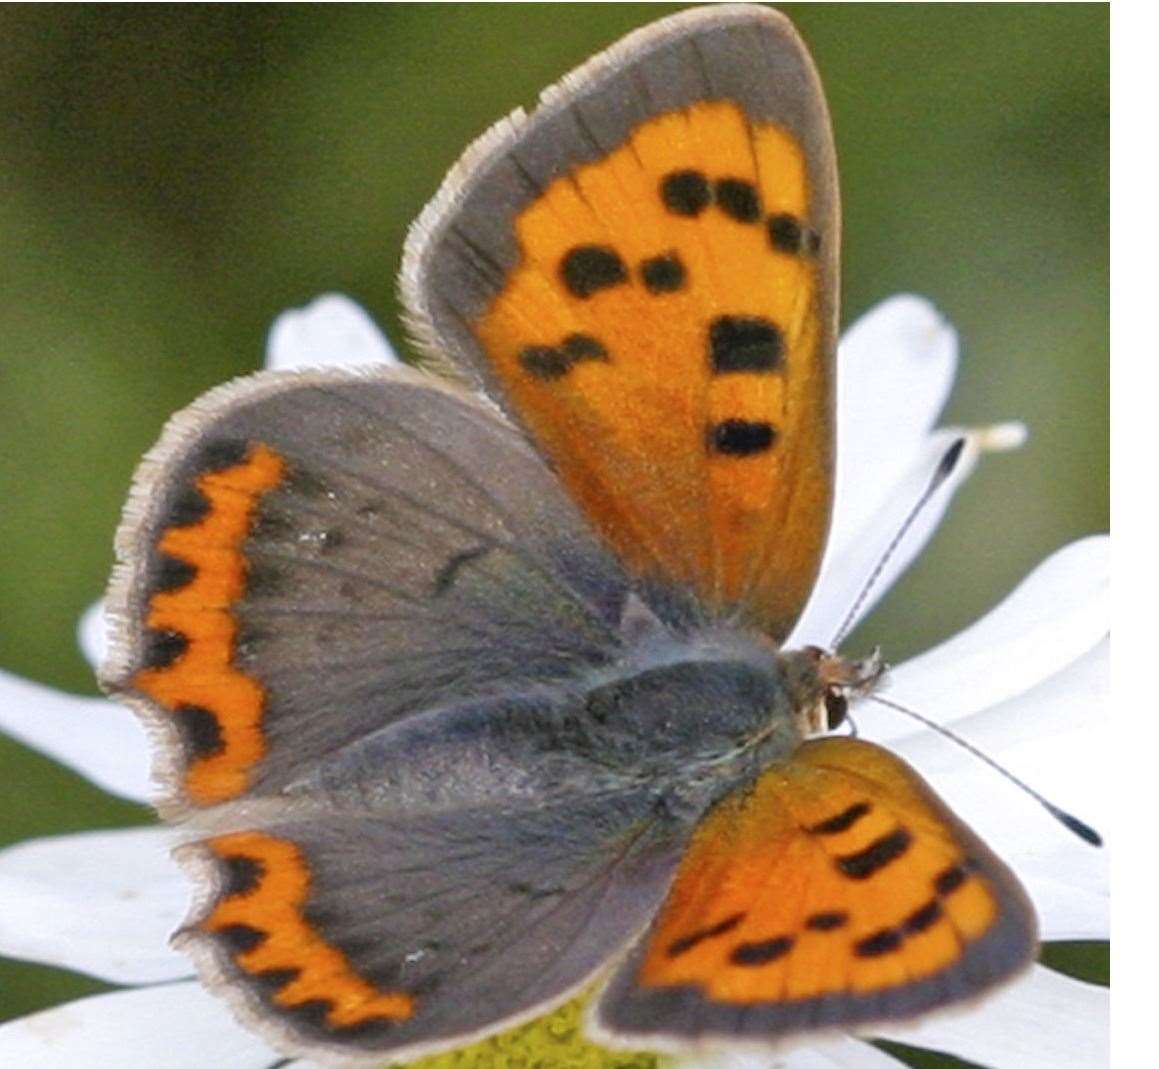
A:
{"x": 815, "y": 883}
{"x": 261, "y": 919}
{"x": 198, "y": 574}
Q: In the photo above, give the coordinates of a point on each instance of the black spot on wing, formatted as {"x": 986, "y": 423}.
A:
{"x": 685, "y": 192}
{"x": 876, "y": 856}
{"x": 885, "y": 941}
{"x": 949, "y": 880}
{"x": 190, "y": 506}
{"x": 587, "y": 269}
{"x": 200, "y": 730}
{"x": 843, "y": 821}
{"x": 740, "y": 438}
{"x": 763, "y": 952}
{"x": 271, "y": 981}
{"x": 171, "y": 573}
{"x": 687, "y": 942}
{"x": 313, "y": 1014}
{"x": 544, "y": 362}
{"x": 738, "y": 199}
{"x": 663, "y": 274}
{"x": 221, "y": 454}
{"x": 788, "y": 234}
{"x": 921, "y": 919}
{"x": 888, "y": 940}
{"x": 577, "y": 347}
{"x": 240, "y": 938}
{"x": 744, "y": 343}
{"x": 240, "y": 875}
{"x": 163, "y": 648}
{"x": 548, "y": 362}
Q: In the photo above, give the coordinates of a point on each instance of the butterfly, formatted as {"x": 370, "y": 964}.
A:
{"x": 468, "y": 683}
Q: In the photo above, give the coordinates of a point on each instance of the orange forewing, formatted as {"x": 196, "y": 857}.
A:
{"x": 649, "y": 372}
{"x": 835, "y": 873}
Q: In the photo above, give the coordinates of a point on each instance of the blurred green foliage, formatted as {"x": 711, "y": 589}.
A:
{"x": 173, "y": 176}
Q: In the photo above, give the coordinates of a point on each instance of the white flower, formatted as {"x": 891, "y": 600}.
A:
{"x": 1026, "y": 683}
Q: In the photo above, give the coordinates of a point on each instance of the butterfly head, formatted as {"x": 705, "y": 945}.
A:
{"x": 822, "y": 684}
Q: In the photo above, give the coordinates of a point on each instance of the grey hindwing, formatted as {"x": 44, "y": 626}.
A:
{"x": 483, "y": 916}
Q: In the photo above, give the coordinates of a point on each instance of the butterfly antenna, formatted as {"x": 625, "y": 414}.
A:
{"x": 945, "y": 467}
{"x": 1082, "y": 830}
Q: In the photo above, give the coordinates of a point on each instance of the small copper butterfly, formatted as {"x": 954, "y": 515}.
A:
{"x": 470, "y": 686}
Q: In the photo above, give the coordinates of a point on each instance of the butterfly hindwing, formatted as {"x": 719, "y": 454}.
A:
{"x": 643, "y": 271}
{"x": 369, "y": 936}
{"x": 312, "y": 557}
{"x": 835, "y": 890}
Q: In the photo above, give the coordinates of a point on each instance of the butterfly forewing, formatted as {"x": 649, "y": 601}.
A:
{"x": 311, "y": 558}
{"x": 644, "y": 272}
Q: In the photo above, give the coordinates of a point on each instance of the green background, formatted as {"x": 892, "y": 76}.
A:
{"x": 171, "y": 177}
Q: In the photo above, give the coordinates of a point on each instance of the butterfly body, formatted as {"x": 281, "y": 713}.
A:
{"x": 467, "y": 705}
{"x": 684, "y": 719}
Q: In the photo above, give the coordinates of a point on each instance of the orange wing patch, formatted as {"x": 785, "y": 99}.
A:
{"x": 198, "y": 574}
{"x": 836, "y": 874}
{"x": 261, "y": 919}
{"x": 674, "y": 375}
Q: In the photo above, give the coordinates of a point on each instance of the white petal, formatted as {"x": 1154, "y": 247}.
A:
{"x": 829, "y": 1052}
{"x": 1042, "y": 1019}
{"x": 1051, "y": 725}
{"x": 103, "y": 903}
{"x": 895, "y": 368}
{"x": 838, "y": 1052}
{"x": 92, "y": 634}
{"x": 1056, "y": 738}
{"x": 1073, "y": 907}
{"x": 331, "y": 331}
{"x": 97, "y": 738}
{"x": 174, "y": 1026}
{"x": 1056, "y": 614}
{"x": 856, "y": 550}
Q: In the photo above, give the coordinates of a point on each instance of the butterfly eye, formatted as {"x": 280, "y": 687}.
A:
{"x": 836, "y": 708}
